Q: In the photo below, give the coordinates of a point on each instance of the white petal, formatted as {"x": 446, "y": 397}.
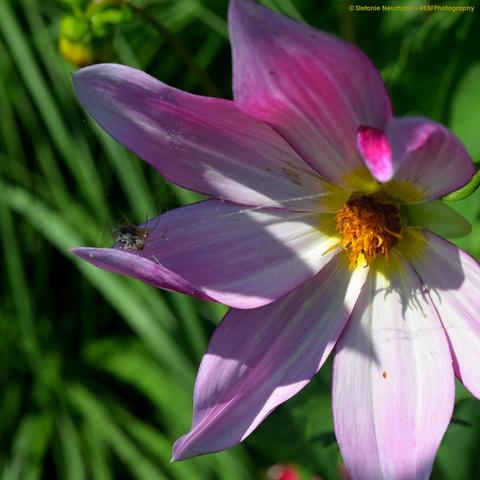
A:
{"x": 393, "y": 388}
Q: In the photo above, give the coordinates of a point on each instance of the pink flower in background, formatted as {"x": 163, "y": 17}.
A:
{"x": 321, "y": 234}
{"x": 287, "y": 472}
{"x": 283, "y": 472}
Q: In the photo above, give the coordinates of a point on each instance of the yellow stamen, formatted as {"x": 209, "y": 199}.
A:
{"x": 368, "y": 228}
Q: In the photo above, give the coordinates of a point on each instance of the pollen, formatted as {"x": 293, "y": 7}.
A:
{"x": 368, "y": 228}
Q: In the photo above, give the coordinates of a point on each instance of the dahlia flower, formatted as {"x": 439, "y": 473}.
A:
{"x": 322, "y": 234}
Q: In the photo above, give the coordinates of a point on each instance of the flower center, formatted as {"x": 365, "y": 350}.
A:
{"x": 369, "y": 228}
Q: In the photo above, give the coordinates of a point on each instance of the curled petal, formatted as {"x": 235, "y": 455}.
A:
{"x": 453, "y": 280}
{"x": 227, "y": 252}
{"x": 200, "y": 143}
{"x": 393, "y": 390}
{"x": 427, "y": 156}
{"x": 258, "y": 359}
{"x": 313, "y": 88}
{"x": 375, "y": 149}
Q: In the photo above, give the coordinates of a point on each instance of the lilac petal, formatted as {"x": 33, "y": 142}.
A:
{"x": 393, "y": 390}
{"x": 453, "y": 279}
{"x": 313, "y": 88}
{"x": 258, "y": 359}
{"x": 203, "y": 144}
{"x": 428, "y": 156}
{"x": 375, "y": 149}
{"x": 242, "y": 257}
{"x": 127, "y": 263}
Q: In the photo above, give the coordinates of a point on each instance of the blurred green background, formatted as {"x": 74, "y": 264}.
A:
{"x": 97, "y": 370}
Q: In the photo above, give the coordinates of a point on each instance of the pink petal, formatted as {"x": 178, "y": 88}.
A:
{"x": 453, "y": 279}
{"x": 203, "y": 144}
{"x": 313, "y": 88}
{"x": 127, "y": 263}
{"x": 393, "y": 391}
{"x": 429, "y": 156}
{"x": 258, "y": 359}
{"x": 376, "y": 152}
{"x": 242, "y": 257}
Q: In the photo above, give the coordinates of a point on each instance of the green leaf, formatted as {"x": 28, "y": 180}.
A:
{"x": 98, "y": 416}
{"x": 465, "y": 111}
{"x": 74, "y": 28}
{"x": 459, "y": 450}
{"x": 73, "y": 464}
{"x": 120, "y": 292}
{"x": 29, "y": 447}
{"x": 81, "y": 167}
{"x": 470, "y": 209}
{"x": 161, "y": 448}
{"x": 96, "y": 452}
{"x": 125, "y": 359}
{"x": 438, "y": 218}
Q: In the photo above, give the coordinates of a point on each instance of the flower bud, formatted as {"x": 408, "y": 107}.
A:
{"x": 86, "y": 37}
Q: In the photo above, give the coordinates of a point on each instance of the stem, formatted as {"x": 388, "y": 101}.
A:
{"x": 470, "y": 188}
{"x": 179, "y": 47}
{"x": 347, "y": 23}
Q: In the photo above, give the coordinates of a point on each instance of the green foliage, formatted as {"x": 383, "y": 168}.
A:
{"x": 97, "y": 370}
{"x": 469, "y": 189}
{"x": 465, "y": 110}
